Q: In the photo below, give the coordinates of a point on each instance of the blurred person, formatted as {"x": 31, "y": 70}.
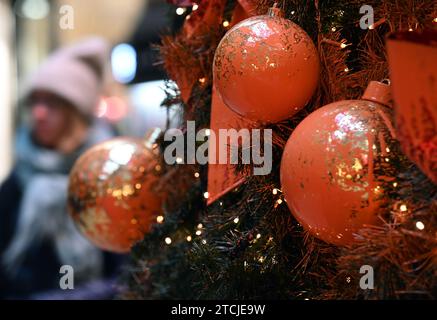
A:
{"x": 37, "y": 235}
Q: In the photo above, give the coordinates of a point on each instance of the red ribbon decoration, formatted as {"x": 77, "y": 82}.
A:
{"x": 222, "y": 177}
{"x": 208, "y": 14}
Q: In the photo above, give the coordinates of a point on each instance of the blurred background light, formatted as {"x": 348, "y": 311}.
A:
{"x": 124, "y": 62}
{"x": 7, "y": 88}
{"x": 32, "y": 9}
{"x": 147, "y": 112}
{"x": 112, "y": 108}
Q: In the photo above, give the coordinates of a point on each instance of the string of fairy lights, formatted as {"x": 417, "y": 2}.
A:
{"x": 401, "y": 208}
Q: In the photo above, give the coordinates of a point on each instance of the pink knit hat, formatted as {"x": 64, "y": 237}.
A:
{"x": 76, "y": 73}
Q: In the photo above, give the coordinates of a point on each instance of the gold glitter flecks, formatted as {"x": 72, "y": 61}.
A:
{"x": 340, "y": 170}
{"x": 128, "y": 190}
{"x": 297, "y": 38}
{"x": 357, "y": 165}
{"x": 344, "y": 178}
{"x": 250, "y": 44}
{"x": 93, "y": 220}
{"x": 117, "y": 193}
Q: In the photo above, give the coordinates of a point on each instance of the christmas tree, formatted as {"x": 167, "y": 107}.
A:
{"x": 250, "y": 237}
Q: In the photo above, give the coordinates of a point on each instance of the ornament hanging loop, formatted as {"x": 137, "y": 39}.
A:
{"x": 379, "y": 92}
{"x": 386, "y": 81}
{"x": 275, "y": 11}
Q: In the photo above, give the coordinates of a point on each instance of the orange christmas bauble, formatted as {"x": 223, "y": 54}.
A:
{"x": 111, "y": 197}
{"x": 335, "y": 166}
{"x": 266, "y": 68}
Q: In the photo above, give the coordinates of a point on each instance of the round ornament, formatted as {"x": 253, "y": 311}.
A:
{"x": 336, "y": 163}
{"x": 111, "y": 197}
{"x": 266, "y": 68}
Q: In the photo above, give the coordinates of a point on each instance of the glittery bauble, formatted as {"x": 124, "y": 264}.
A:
{"x": 335, "y": 166}
{"x": 413, "y": 71}
{"x": 111, "y": 197}
{"x": 266, "y": 68}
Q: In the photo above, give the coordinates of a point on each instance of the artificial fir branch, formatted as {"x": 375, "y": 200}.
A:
{"x": 249, "y": 245}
